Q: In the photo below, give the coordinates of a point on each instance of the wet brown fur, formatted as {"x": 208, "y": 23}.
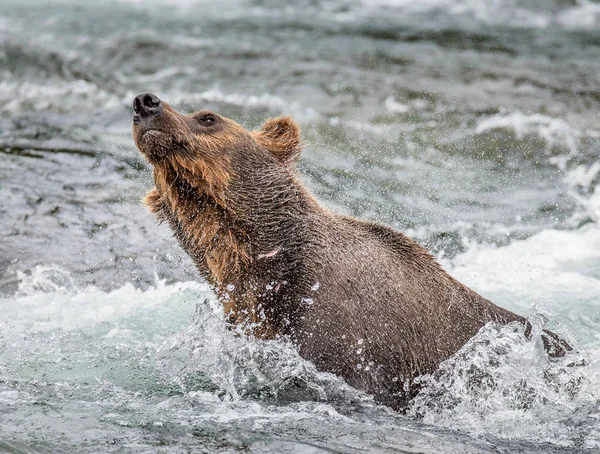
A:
{"x": 358, "y": 299}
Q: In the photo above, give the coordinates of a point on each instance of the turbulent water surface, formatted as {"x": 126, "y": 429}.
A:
{"x": 473, "y": 126}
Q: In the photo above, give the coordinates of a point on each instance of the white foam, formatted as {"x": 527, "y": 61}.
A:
{"x": 48, "y": 299}
{"x": 586, "y": 14}
{"x": 549, "y": 271}
{"x": 583, "y": 188}
{"x": 394, "y": 106}
{"x": 490, "y": 12}
{"x": 500, "y": 383}
{"x": 164, "y": 74}
{"x": 580, "y": 179}
{"x": 589, "y": 206}
{"x": 582, "y": 176}
{"x": 52, "y": 319}
{"x": 59, "y": 96}
{"x": 382, "y": 130}
{"x": 241, "y": 366}
{"x": 552, "y": 130}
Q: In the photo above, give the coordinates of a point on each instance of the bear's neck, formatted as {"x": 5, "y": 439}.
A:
{"x": 202, "y": 226}
{"x": 253, "y": 261}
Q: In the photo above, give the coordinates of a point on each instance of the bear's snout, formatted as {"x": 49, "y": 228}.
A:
{"x": 146, "y": 105}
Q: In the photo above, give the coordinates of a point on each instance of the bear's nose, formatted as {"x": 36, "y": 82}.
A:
{"x": 146, "y": 105}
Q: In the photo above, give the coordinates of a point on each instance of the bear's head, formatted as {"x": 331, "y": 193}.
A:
{"x": 230, "y": 195}
{"x": 209, "y": 151}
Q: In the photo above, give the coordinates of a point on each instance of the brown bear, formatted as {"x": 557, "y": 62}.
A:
{"x": 358, "y": 299}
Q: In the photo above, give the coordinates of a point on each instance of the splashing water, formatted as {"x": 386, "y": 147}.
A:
{"x": 502, "y": 383}
{"x": 145, "y": 385}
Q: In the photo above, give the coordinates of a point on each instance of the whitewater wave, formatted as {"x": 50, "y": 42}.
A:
{"x": 504, "y": 384}
{"x": 121, "y": 353}
{"x": 544, "y": 272}
{"x": 52, "y": 313}
{"x": 208, "y": 357}
{"x": 48, "y": 299}
{"x": 563, "y": 149}
{"x": 63, "y": 96}
{"x": 551, "y": 130}
{"x": 583, "y": 14}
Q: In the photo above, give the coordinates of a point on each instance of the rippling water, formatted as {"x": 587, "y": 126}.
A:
{"x": 472, "y": 126}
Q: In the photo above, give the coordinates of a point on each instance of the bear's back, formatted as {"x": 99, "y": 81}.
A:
{"x": 384, "y": 311}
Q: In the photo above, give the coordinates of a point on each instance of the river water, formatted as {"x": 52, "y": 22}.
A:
{"x": 473, "y": 126}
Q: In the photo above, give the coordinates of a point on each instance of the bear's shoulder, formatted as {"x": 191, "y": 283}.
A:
{"x": 389, "y": 238}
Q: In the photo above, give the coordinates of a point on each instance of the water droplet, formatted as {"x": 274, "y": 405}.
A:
{"x": 231, "y": 287}
{"x": 315, "y": 287}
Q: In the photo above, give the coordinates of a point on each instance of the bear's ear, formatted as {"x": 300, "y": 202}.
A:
{"x": 281, "y": 136}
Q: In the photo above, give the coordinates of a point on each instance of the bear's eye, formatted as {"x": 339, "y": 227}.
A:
{"x": 207, "y": 119}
